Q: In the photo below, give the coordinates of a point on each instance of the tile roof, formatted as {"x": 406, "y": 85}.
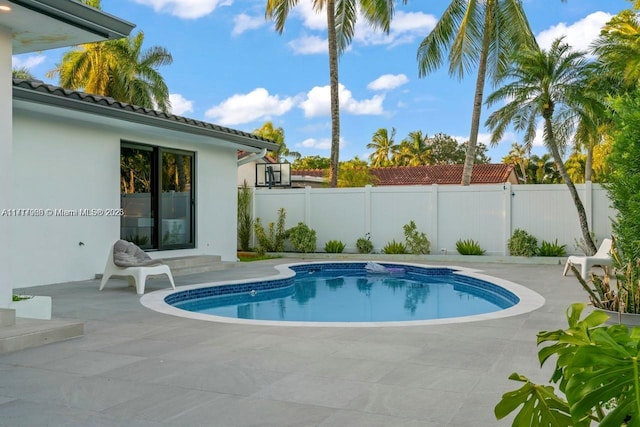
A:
{"x": 38, "y": 91}
{"x": 428, "y": 175}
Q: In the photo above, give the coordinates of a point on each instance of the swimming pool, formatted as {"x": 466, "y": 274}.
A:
{"x": 342, "y": 294}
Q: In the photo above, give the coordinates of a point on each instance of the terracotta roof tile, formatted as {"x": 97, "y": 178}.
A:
{"x": 428, "y": 175}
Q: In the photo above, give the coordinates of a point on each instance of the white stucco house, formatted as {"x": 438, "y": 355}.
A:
{"x": 81, "y": 171}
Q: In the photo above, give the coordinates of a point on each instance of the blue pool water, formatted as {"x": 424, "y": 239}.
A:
{"x": 345, "y": 292}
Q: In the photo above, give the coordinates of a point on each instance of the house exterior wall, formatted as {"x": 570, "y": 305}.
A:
{"x": 72, "y": 164}
{"x": 485, "y": 213}
{"x": 6, "y": 139}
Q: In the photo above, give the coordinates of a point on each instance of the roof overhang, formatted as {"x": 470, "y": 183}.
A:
{"x": 86, "y": 108}
{"x": 38, "y": 25}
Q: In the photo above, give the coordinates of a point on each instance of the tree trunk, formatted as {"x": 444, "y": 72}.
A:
{"x": 335, "y": 102}
{"x": 479, "y": 94}
{"x": 588, "y": 167}
{"x": 582, "y": 214}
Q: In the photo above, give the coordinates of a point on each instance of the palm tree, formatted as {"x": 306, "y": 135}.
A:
{"x": 341, "y": 20}
{"x": 518, "y": 156}
{"x": 22, "y": 73}
{"x": 414, "y": 150}
{"x": 119, "y": 69}
{"x": 553, "y": 85}
{"x": 276, "y": 135}
{"x": 618, "y": 49}
{"x": 384, "y": 147}
{"x": 476, "y": 33}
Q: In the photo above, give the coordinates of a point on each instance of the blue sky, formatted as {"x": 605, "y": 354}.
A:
{"x": 231, "y": 67}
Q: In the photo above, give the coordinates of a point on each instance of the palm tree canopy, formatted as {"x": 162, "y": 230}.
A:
{"x": 554, "y": 84}
{"x": 120, "y": 69}
{"x": 384, "y": 147}
{"x": 377, "y": 13}
{"x": 460, "y": 32}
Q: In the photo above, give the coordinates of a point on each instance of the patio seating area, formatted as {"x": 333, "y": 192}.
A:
{"x": 137, "y": 367}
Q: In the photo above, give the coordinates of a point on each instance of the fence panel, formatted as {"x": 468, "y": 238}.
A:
{"x": 487, "y": 214}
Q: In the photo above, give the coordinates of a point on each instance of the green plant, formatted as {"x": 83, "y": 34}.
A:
{"x": 624, "y": 295}
{"x": 596, "y": 371}
{"x": 16, "y": 298}
{"x": 551, "y": 249}
{"x": 394, "y": 247}
{"x": 274, "y": 240}
{"x": 334, "y": 246}
{"x": 417, "y": 242}
{"x": 522, "y": 243}
{"x": 244, "y": 216}
{"x": 469, "y": 247}
{"x": 364, "y": 244}
{"x": 302, "y": 238}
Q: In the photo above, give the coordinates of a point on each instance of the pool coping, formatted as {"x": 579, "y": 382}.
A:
{"x": 529, "y": 300}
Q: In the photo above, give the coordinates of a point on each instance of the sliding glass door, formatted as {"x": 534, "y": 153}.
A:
{"x": 157, "y": 194}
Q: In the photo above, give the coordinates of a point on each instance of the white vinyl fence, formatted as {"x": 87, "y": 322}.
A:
{"x": 487, "y": 214}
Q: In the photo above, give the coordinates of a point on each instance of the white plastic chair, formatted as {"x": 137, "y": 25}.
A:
{"x": 139, "y": 274}
{"x": 601, "y": 258}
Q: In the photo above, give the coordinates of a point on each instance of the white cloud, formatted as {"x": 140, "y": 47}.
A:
{"x": 308, "y": 45}
{"x": 186, "y": 9}
{"x": 579, "y": 34}
{"x": 310, "y": 18}
{"x": 244, "y": 22}
{"x": 406, "y": 27}
{"x": 318, "y": 103}
{"x": 27, "y": 62}
{"x": 388, "y": 81}
{"x": 245, "y": 108}
{"x": 180, "y": 105}
{"x": 319, "y": 143}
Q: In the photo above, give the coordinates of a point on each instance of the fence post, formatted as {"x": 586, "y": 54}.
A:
{"x": 433, "y": 211}
{"x": 509, "y": 195}
{"x": 253, "y": 215}
{"x": 588, "y": 205}
{"x": 307, "y": 205}
{"x": 367, "y": 209}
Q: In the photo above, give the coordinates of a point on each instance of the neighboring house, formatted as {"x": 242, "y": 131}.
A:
{"x": 87, "y": 170}
{"x": 417, "y": 175}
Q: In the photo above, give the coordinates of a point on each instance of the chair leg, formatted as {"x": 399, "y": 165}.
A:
{"x": 585, "y": 270}
{"x": 140, "y": 281}
{"x": 170, "y": 276}
{"x": 105, "y": 278}
{"x": 566, "y": 268}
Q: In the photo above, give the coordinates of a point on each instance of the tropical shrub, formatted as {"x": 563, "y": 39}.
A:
{"x": 334, "y": 246}
{"x": 394, "y": 247}
{"x": 551, "y": 249}
{"x": 596, "y": 372}
{"x": 623, "y": 295}
{"x": 302, "y": 238}
{"x": 522, "y": 243}
{"x": 274, "y": 240}
{"x": 469, "y": 247}
{"x": 417, "y": 242}
{"x": 244, "y": 216}
{"x": 364, "y": 245}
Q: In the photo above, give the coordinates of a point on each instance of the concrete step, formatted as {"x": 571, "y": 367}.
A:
{"x": 27, "y": 333}
{"x": 7, "y": 317}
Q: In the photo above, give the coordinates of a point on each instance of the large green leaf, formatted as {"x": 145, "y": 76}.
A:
{"x": 605, "y": 371}
{"x": 539, "y": 406}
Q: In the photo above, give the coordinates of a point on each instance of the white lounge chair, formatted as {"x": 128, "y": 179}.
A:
{"x": 601, "y": 258}
{"x": 135, "y": 263}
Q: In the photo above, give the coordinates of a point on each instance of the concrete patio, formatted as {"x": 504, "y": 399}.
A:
{"x": 136, "y": 367}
